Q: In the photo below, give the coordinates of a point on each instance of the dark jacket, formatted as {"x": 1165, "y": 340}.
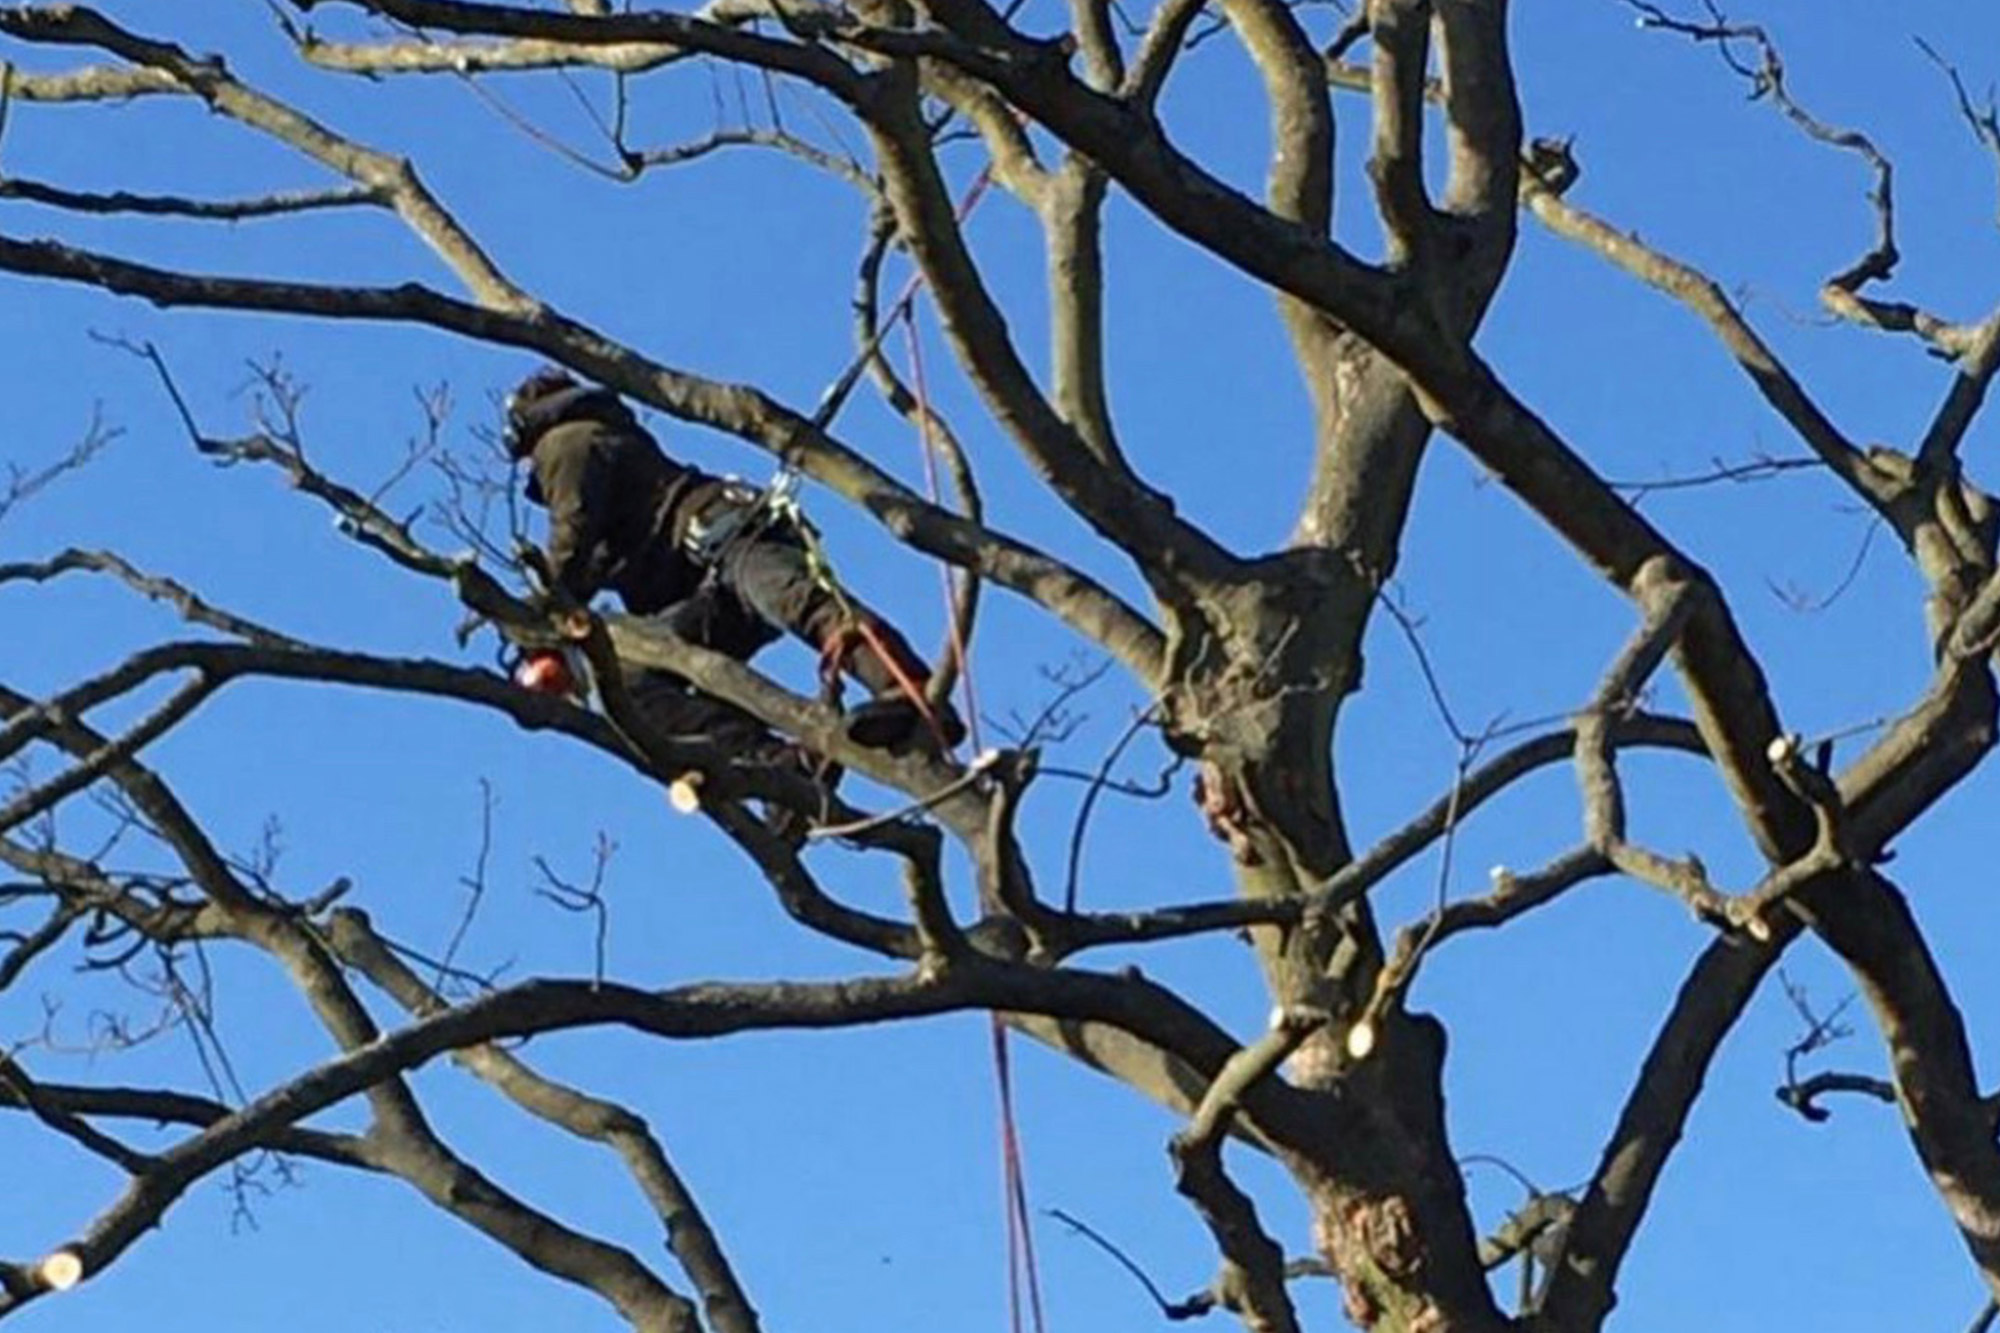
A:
{"x": 618, "y": 507}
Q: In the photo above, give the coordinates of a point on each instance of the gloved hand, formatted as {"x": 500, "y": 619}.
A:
{"x": 545, "y": 671}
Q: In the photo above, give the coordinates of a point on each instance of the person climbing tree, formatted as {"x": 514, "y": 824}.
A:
{"x": 707, "y": 558}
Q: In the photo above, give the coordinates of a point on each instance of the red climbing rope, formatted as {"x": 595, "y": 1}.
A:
{"x": 953, "y": 629}
{"x": 1023, "y": 1275}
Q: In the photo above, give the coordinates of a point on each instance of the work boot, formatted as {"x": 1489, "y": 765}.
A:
{"x": 878, "y": 656}
{"x": 891, "y": 721}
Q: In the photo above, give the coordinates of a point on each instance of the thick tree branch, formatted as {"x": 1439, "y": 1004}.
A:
{"x": 179, "y": 1108}
{"x": 102, "y": 758}
{"x": 1400, "y": 30}
{"x": 687, "y": 1013}
{"x": 1299, "y": 184}
{"x": 18, "y": 1090}
{"x": 1981, "y": 357}
{"x": 1072, "y": 216}
{"x": 93, "y": 83}
{"x": 1253, "y": 1274}
{"x": 1458, "y": 392}
{"x": 1482, "y": 113}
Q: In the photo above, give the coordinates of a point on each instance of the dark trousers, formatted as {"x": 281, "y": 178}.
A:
{"x": 760, "y": 588}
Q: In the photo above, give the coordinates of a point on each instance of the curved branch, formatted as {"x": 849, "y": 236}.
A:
{"x": 1165, "y": 39}
{"x": 1300, "y": 184}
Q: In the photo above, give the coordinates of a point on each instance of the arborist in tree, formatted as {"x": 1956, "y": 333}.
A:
{"x": 710, "y": 558}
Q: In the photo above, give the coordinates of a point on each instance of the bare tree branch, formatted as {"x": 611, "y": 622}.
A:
{"x": 163, "y": 205}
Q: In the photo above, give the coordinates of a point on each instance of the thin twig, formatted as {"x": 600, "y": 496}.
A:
{"x": 1098, "y": 783}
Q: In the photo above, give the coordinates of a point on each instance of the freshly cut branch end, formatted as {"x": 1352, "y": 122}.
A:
{"x": 684, "y": 795}
{"x": 61, "y": 1270}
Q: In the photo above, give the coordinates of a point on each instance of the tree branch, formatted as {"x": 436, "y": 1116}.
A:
{"x": 655, "y": 28}
{"x": 166, "y": 205}
{"x": 1400, "y": 30}
{"x": 1869, "y": 924}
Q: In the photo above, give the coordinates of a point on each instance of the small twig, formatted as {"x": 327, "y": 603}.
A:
{"x": 1804, "y": 604}
{"x": 1098, "y": 783}
{"x": 1761, "y": 468}
{"x": 1822, "y": 1030}
{"x": 500, "y": 107}
{"x": 150, "y": 354}
{"x": 1528, "y": 1186}
{"x": 474, "y": 885}
{"x": 1200, "y": 1303}
{"x": 1123, "y": 1260}
{"x": 1410, "y": 626}
{"x": 1054, "y": 723}
{"x": 584, "y": 898}
{"x": 21, "y": 485}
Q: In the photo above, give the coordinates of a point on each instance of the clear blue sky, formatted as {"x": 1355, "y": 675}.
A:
{"x": 853, "y": 1178}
